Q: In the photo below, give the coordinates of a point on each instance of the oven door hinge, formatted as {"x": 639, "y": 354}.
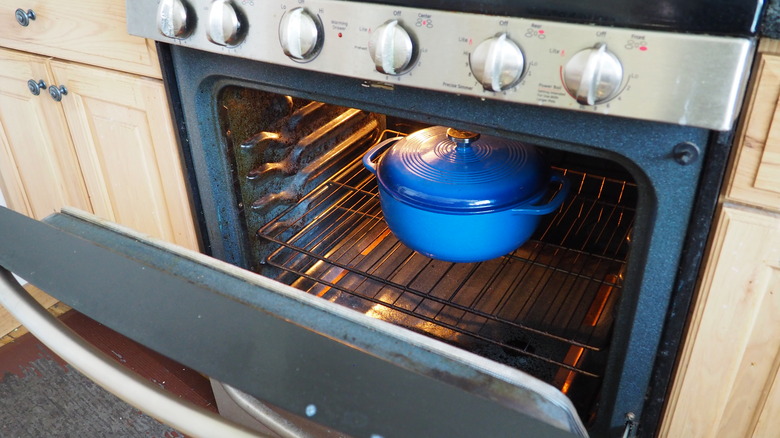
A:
{"x": 631, "y": 426}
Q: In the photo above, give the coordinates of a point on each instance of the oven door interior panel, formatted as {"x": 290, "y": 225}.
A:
{"x": 365, "y": 377}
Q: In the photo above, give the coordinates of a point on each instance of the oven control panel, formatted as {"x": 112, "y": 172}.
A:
{"x": 684, "y": 79}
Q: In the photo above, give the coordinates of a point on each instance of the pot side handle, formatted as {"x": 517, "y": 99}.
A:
{"x": 371, "y": 155}
{"x": 554, "y": 203}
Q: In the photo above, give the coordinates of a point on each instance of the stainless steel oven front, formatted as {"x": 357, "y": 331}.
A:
{"x": 333, "y": 318}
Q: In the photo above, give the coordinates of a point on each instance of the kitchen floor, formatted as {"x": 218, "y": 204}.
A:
{"x": 40, "y": 395}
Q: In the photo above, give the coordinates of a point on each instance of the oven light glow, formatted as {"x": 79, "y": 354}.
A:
{"x": 565, "y": 378}
{"x": 379, "y": 311}
{"x": 375, "y": 243}
{"x": 331, "y": 277}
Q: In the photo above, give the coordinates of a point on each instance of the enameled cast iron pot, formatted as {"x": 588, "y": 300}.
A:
{"x": 461, "y": 197}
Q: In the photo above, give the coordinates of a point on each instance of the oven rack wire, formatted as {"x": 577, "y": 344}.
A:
{"x": 546, "y": 308}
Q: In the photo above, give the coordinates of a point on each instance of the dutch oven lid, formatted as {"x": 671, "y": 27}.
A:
{"x": 443, "y": 169}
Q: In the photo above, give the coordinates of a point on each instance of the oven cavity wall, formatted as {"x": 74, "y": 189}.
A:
{"x": 311, "y": 215}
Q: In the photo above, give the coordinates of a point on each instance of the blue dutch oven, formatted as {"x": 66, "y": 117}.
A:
{"x": 461, "y": 197}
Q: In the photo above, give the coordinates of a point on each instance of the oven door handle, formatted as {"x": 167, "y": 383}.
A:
{"x": 115, "y": 378}
{"x": 306, "y": 355}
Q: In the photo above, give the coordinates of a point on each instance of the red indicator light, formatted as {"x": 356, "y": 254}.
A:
{"x": 425, "y": 23}
{"x": 643, "y": 48}
{"x": 541, "y": 31}
{"x": 340, "y": 35}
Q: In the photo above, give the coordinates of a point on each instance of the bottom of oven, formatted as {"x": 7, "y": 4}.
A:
{"x": 314, "y": 222}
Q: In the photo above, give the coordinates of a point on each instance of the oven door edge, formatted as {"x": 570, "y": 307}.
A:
{"x": 365, "y": 377}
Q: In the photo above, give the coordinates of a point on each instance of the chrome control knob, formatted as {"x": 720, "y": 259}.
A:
{"x": 300, "y": 34}
{"x": 392, "y": 48}
{"x": 593, "y": 75}
{"x": 497, "y": 63}
{"x": 226, "y": 27}
{"x": 173, "y": 19}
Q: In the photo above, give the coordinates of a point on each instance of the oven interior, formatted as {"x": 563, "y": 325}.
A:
{"x": 313, "y": 220}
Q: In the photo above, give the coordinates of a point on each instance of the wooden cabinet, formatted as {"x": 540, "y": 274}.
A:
{"x": 755, "y": 177}
{"x": 108, "y": 146}
{"x": 727, "y": 382}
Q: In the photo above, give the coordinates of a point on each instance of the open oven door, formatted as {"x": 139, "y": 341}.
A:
{"x": 310, "y": 357}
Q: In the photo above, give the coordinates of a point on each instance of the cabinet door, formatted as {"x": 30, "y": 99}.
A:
{"x": 755, "y": 177}
{"x": 728, "y": 383}
{"x": 124, "y": 138}
{"x": 39, "y": 172}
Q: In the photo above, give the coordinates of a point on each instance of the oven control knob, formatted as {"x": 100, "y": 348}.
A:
{"x": 300, "y": 34}
{"x": 392, "y": 48}
{"x": 173, "y": 19}
{"x": 593, "y": 75}
{"x": 226, "y": 25}
{"x": 497, "y": 63}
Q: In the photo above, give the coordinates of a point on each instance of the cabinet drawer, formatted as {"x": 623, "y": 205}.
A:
{"x": 88, "y": 31}
{"x": 755, "y": 178}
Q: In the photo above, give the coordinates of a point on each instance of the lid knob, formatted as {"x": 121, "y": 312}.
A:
{"x": 462, "y": 138}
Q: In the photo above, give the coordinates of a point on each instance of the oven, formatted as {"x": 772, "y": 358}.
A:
{"x": 314, "y": 305}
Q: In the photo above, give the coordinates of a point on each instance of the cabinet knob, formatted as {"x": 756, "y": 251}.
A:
{"x": 36, "y": 87}
{"x": 24, "y": 18}
{"x": 56, "y": 92}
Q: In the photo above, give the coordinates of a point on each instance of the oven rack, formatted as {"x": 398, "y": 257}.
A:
{"x": 545, "y": 308}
